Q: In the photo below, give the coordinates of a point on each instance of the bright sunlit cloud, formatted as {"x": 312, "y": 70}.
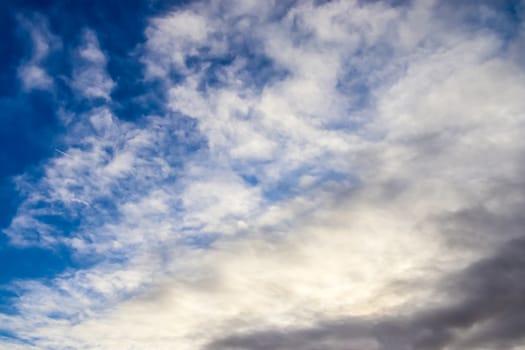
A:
{"x": 273, "y": 175}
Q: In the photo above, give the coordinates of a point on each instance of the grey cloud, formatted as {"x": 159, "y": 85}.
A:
{"x": 488, "y": 312}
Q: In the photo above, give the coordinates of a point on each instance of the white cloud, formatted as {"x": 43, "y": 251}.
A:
{"x": 34, "y": 77}
{"x": 347, "y": 215}
{"x": 32, "y": 72}
{"x": 90, "y": 78}
{"x": 174, "y": 39}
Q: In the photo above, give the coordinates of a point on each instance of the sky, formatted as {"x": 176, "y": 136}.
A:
{"x": 262, "y": 175}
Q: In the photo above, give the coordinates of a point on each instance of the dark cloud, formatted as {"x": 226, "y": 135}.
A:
{"x": 489, "y": 299}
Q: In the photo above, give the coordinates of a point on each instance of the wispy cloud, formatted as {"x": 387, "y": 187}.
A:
{"x": 364, "y": 191}
{"x": 32, "y": 72}
{"x": 90, "y": 78}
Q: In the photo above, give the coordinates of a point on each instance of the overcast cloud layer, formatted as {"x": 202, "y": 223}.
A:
{"x": 277, "y": 175}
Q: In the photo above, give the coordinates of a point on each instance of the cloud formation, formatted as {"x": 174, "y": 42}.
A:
{"x": 486, "y": 314}
{"x": 325, "y": 175}
{"x": 32, "y": 72}
{"x": 90, "y": 79}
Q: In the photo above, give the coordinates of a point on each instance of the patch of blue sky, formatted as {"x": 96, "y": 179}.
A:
{"x": 10, "y": 337}
{"x": 184, "y": 138}
{"x": 252, "y": 67}
{"x": 260, "y": 71}
{"x": 74, "y": 220}
{"x": 281, "y": 8}
{"x": 190, "y": 229}
{"x": 133, "y": 100}
{"x": 503, "y": 18}
{"x": 255, "y": 71}
{"x": 63, "y": 223}
{"x": 213, "y": 67}
{"x": 119, "y": 27}
{"x": 29, "y": 129}
{"x": 250, "y": 179}
{"x": 200, "y": 241}
{"x": 174, "y": 76}
{"x": 32, "y": 129}
{"x": 132, "y": 97}
{"x": 7, "y": 298}
{"x": 61, "y": 219}
{"x": 12, "y": 49}
{"x": 30, "y": 125}
{"x": 291, "y": 185}
{"x": 358, "y": 92}
{"x": 9, "y": 202}
{"x": 103, "y": 209}
{"x": 26, "y": 263}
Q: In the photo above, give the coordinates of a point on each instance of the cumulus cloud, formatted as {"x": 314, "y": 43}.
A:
{"x": 335, "y": 175}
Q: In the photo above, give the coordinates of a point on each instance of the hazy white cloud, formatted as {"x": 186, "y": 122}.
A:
{"x": 347, "y": 186}
{"x": 90, "y": 78}
{"x": 32, "y": 72}
{"x": 172, "y": 40}
{"x": 34, "y": 77}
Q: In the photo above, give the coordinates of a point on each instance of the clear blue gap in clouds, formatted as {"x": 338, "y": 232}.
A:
{"x": 507, "y": 25}
{"x": 257, "y": 72}
{"x": 28, "y": 263}
{"x": 27, "y": 120}
{"x": 288, "y": 186}
{"x": 30, "y": 127}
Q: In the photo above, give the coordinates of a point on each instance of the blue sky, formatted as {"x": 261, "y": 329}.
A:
{"x": 31, "y": 128}
{"x": 237, "y": 174}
